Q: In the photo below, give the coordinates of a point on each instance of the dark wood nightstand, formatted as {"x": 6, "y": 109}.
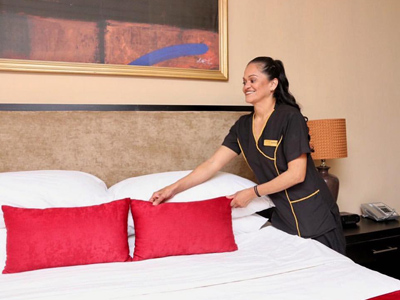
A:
{"x": 375, "y": 245}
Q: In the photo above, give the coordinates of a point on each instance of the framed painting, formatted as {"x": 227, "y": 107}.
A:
{"x": 174, "y": 38}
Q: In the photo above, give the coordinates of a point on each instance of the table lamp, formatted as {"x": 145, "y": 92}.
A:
{"x": 328, "y": 141}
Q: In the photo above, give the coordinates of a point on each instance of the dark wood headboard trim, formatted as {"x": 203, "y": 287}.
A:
{"x": 120, "y": 107}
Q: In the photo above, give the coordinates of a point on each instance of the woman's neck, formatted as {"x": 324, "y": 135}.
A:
{"x": 263, "y": 109}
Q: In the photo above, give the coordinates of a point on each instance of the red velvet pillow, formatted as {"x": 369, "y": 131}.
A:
{"x": 55, "y": 237}
{"x": 182, "y": 228}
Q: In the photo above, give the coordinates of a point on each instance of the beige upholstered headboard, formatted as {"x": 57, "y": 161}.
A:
{"x": 114, "y": 142}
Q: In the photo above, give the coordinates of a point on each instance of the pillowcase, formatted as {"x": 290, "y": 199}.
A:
{"x": 51, "y": 188}
{"x": 248, "y": 224}
{"x": 222, "y": 184}
{"x": 182, "y": 228}
{"x": 3, "y": 236}
{"x": 55, "y": 237}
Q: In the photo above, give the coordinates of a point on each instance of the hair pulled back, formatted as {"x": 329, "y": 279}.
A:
{"x": 274, "y": 69}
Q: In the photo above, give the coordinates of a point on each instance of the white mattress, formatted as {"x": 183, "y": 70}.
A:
{"x": 269, "y": 264}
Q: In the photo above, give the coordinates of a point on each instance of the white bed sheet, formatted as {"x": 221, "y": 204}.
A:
{"x": 269, "y": 263}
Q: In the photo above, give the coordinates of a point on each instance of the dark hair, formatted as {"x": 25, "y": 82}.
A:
{"x": 274, "y": 69}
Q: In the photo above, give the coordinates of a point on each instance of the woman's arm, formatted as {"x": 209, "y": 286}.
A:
{"x": 202, "y": 173}
{"x": 295, "y": 174}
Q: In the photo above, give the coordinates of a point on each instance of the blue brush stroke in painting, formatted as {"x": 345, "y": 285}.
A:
{"x": 170, "y": 52}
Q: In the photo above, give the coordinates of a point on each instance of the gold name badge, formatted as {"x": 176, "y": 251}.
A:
{"x": 272, "y": 143}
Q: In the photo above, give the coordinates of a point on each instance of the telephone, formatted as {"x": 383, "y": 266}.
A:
{"x": 378, "y": 211}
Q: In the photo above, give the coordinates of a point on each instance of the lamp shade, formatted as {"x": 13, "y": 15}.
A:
{"x": 328, "y": 138}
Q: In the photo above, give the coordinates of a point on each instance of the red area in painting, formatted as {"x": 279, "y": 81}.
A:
{"x": 63, "y": 40}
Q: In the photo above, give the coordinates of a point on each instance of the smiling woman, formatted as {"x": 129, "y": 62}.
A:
{"x": 275, "y": 142}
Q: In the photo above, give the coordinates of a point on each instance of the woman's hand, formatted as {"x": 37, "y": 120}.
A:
{"x": 162, "y": 195}
{"x": 242, "y": 198}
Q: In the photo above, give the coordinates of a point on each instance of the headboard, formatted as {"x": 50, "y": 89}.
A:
{"x": 114, "y": 142}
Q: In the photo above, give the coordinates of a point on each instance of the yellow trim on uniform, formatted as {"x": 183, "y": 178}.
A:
{"x": 276, "y": 150}
{"x": 294, "y": 214}
{"x": 244, "y": 156}
{"x": 305, "y": 198}
{"x": 262, "y": 130}
{"x": 286, "y": 193}
{"x": 252, "y": 127}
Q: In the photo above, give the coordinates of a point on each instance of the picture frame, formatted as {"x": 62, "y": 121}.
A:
{"x": 162, "y": 51}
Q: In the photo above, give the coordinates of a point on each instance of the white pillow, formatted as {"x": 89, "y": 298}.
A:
{"x": 3, "y": 251}
{"x": 50, "y": 188}
{"x": 248, "y": 224}
{"x": 222, "y": 184}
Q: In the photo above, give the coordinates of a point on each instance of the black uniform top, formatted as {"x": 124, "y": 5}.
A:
{"x": 306, "y": 209}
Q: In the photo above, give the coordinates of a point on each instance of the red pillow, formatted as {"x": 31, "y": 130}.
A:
{"x": 55, "y": 237}
{"x": 182, "y": 228}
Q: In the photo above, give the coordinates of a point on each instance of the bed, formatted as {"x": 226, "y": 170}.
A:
{"x": 75, "y": 223}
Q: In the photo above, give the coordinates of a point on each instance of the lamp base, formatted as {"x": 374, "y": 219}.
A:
{"x": 331, "y": 180}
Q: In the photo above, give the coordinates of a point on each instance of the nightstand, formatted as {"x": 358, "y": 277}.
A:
{"x": 375, "y": 245}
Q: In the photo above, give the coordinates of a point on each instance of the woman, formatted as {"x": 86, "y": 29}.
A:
{"x": 275, "y": 143}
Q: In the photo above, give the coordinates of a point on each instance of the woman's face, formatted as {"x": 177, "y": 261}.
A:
{"x": 256, "y": 86}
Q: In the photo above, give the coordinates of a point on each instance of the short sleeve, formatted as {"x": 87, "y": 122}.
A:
{"x": 231, "y": 140}
{"x": 296, "y": 140}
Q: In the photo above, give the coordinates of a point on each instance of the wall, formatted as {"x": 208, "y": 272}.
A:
{"x": 342, "y": 61}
